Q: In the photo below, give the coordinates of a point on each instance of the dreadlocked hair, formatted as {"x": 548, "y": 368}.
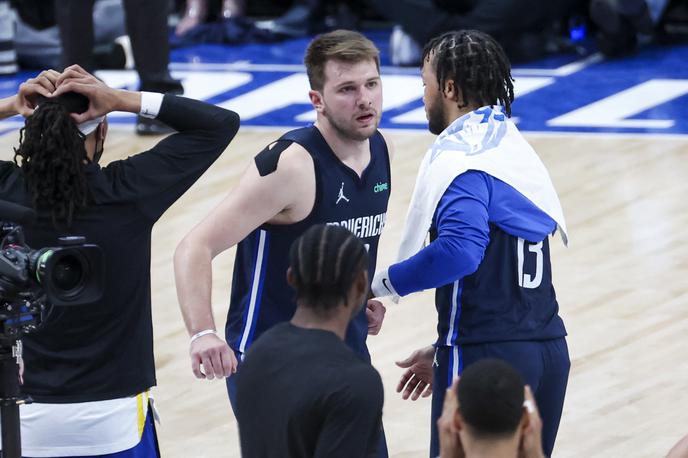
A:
{"x": 325, "y": 262}
{"x": 53, "y": 158}
{"x": 476, "y": 63}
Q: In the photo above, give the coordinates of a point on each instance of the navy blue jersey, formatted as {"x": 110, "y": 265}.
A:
{"x": 489, "y": 260}
{"x": 261, "y": 296}
{"x": 509, "y": 297}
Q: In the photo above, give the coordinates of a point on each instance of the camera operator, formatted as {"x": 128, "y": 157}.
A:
{"x": 90, "y": 367}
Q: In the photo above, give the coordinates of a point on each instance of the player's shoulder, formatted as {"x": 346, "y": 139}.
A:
{"x": 296, "y": 154}
{"x": 473, "y": 177}
{"x": 284, "y": 156}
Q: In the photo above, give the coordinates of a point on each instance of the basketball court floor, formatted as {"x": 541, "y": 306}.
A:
{"x": 614, "y": 136}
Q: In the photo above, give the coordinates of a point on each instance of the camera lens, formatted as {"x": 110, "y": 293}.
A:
{"x": 63, "y": 271}
{"x": 67, "y": 274}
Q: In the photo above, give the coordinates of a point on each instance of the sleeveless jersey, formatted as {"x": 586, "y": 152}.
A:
{"x": 261, "y": 296}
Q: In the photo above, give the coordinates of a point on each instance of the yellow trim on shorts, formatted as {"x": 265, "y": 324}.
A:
{"x": 141, "y": 410}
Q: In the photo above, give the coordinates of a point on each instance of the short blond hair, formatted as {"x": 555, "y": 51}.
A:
{"x": 343, "y": 45}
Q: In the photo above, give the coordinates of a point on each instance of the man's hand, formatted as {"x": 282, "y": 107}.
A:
{"x": 450, "y": 441}
{"x": 417, "y": 380}
{"x": 375, "y": 312}
{"x": 102, "y": 99}
{"x": 214, "y": 354}
{"x": 531, "y": 441}
{"x": 44, "y": 84}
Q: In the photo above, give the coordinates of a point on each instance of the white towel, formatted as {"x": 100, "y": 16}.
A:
{"x": 484, "y": 140}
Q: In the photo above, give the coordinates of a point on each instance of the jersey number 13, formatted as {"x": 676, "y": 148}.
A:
{"x": 527, "y": 280}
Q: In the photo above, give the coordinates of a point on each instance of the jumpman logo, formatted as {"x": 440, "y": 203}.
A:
{"x": 341, "y": 195}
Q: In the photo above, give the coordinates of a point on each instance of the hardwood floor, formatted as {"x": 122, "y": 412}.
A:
{"x": 621, "y": 285}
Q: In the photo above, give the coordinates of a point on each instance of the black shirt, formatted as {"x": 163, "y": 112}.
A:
{"x": 304, "y": 393}
{"x": 104, "y": 350}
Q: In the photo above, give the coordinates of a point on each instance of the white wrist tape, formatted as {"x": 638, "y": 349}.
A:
{"x": 205, "y": 332}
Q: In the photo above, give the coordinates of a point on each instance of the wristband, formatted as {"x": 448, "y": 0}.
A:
{"x": 150, "y": 104}
{"x": 381, "y": 286}
{"x": 201, "y": 334}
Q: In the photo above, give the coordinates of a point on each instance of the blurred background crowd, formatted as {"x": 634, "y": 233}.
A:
{"x": 528, "y": 29}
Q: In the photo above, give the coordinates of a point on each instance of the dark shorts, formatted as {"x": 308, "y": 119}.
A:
{"x": 544, "y": 365}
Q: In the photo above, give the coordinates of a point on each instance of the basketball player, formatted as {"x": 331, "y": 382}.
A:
{"x": 325, "y": 402}
{"x": 335, "y": 172}
{"x": 489, "y": 205}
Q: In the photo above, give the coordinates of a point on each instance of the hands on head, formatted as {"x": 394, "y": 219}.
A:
{"x": 448, "y": 427}
{"x": 49, "y": 84}
{"x": 29, "y": 91}
{"x": 531, "y": 439}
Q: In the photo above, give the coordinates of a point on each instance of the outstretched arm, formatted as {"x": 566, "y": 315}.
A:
{"x": 462, "y": 237}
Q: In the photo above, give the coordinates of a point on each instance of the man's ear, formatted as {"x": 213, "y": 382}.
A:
{"x": 363, "y": 282}
{"x": 291, "y": 278}
{"x": 103, "y": 130}
{"x": 451, "y": 91}
{"x": 459, "y": 424}
{"x": 316, "y": 100}
{"x": 360, "y": 287}
{"x": 525, "y": 420}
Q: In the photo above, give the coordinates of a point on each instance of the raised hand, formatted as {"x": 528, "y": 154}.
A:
{"x": 102, "y": 99}
{"x": 450, "y": 441}
{"x": 44, "y": 84}
{"x": 531, "y": 441}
